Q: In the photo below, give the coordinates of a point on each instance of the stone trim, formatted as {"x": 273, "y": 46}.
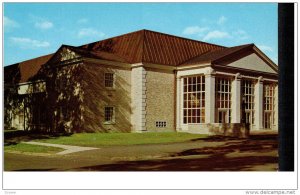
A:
{"x": 210, "y": 96}
{"x": 258, "y": 106}
{"x": 236, "y": 99}
{"x": 178, "y": 103}
{"x": 138, "y": 94}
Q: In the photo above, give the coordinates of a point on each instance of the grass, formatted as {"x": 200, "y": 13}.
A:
{"x": 114, "y": 139}
{"x": 22, "y": 147}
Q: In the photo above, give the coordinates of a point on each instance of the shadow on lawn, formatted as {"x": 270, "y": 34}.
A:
{"x": 15, "y": 137}
{"x": 244, "y": 155}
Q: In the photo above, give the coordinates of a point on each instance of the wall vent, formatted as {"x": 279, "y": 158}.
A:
{"x": 160, "y": 124}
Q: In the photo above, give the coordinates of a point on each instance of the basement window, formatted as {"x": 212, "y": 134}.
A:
{"x": 160, "y": 124}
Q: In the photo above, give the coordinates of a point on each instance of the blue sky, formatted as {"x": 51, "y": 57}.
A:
{"x": 35, "y": 29}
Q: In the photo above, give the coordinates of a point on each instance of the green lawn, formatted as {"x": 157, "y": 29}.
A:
{"x": 111, "y": 139}
{"x": 22, "y": 147}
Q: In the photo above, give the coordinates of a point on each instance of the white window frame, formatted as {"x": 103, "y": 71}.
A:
{"x": 247, "y": 92}
{"x": 223, "y": 104}
{"x": 268, "y": 91}
{"x": 194, "y": 99}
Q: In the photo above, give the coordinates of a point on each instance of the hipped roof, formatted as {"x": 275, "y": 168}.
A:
{"x": 142, "y": 46}
{"x": 152, "y": 47}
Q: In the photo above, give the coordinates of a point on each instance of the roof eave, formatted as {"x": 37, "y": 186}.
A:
{"x": 196, "y": 65}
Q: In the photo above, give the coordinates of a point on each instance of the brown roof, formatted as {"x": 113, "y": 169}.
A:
{"x": 103, "y": 55}
{"x": 214, "y": 56}
{"x": 152, "y": 47}
{"x": 140, "y": 46}
{"x": 128, "y": 46}
{"x": 24, "y": 71}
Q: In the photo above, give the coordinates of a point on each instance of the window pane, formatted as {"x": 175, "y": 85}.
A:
{"x": 194, "y": 93}
{"x": 108, "y": 114}
{"x": 109, "y": 79}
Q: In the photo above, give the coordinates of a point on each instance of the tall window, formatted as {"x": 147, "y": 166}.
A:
{"x": 223, "y": 100}
{"x": 109, "y": 114}
{"x": 109, "y": 80}
{"x": 268, "y": 105}
{"x": 248, "y": 100}
{"x": 194, "y": 99}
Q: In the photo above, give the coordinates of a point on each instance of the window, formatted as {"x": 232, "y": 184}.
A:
{"x": 109, "y": 80}
{"x": 160, "y": 124}
{"x": 109, "y": 114}
{"x": 248, "y": 100}
{"x": 223, "y": 100}
{"x": 268, "y": 105}
{"x": 194, "y": 99}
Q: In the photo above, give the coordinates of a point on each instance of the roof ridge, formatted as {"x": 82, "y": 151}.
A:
{"x": 219, "y": 52}
{"x": 242, "y": 47}
{"x": 176, "y": 36}
{"x": 112, "y": 37}
{"x": 208, "y": 51}
{"x": 144, "y": 30}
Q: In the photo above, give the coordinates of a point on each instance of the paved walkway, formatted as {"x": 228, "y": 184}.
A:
{"x": 68, "y": 149}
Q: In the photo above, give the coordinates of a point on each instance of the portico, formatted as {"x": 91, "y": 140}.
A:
{"x": 227, "y": 97}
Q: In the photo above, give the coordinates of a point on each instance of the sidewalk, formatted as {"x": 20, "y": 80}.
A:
{"x": 68, "y": 149}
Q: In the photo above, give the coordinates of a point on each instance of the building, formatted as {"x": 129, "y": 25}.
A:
{"x": 143, "y": 81}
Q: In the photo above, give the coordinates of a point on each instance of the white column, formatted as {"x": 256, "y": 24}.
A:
{"x": 210, "y": 97}
{"x": 178, "y": 103}
{"x": 276, "y": 102}
{"x": 138, "y": 97}
{"x": 258, "y": 104}
{"x": 236, "y": 100}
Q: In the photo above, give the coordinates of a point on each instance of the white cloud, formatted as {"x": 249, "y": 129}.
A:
{"x": 9, "y": 23}
{"x": 90, "y": 32}
{"x": 191, "y": 30}
{"x": 265, "y": 48}
{"x": 82, "y": 21}
{"x": 240, "y": 34}
{"x": 43, "y": 25}
{"x": 27, "y": 43}
{"x": 216, "y": 35}
{"x": 222, "y": 20}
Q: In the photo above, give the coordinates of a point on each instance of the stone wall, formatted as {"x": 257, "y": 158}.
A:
{"x": 160, "y": 100}
{"x": 97, "y": 96}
